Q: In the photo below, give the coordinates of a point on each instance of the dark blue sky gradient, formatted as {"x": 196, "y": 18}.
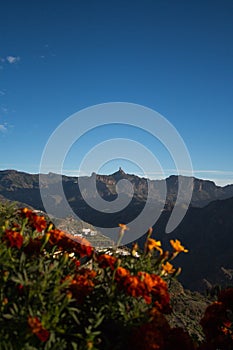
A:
{"x": 173, "y": 56}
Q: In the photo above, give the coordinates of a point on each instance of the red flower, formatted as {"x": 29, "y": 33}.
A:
{"x": 13, "y": 238}
{"x": 55, "y": 236}
{"x": 26, "y": 212}
{"x": 79, "y": 245}
{"x": 106, "y": 260}
{"x": 70, "y": 243}
{"x": 121, "y": 273}
{"x": 82, "y": 284}
{"x": 43, "y": 335}
{"x": 215, "y": 316}
{"x": 217, "y": 323}
{"x": 37, "y": 222}
{"x": 37, "y": 328}
{"x": 148, "y": 286}
{"x": 84, "y": 249}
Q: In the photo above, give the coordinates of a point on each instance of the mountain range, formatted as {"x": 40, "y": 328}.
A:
{"x": 206, "y": 230}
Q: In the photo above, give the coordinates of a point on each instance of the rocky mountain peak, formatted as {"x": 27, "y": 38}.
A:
{"x": 119, "y": 174}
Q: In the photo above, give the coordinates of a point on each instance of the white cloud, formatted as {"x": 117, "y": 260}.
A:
{"x": 12, "y": 59}
{"x": 3, "y": 128}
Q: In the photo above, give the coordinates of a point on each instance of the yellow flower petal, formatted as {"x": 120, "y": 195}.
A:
{"x": 168, "y": 268}
{"x": 177, "y": 246}
{"x": 153, "y": 244}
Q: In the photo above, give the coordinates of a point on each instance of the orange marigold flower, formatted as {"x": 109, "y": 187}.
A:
{"x": 160, "y": 293}
{"x": 27, "y": 212}
{"x": 36, "y": 221}
{"x": 34, "y": 323}
{"x": 148, "y": 286}
{"x": 121, "y": 273}
{"x": 168, "y": 268}
{"x": 70, "y": 243}
{"x": 132, "y": 286}
{"x": 138, "y": 285}
{"x": 39, "y": 223}
{"x": 84, "y": 249}
{"x": 82, "y": 284}
{"x": 37, "y": 328}
{"x": 153, "y": 244}
{"x": 177, "y": 246}
{"x": 13, "y": 238}
{"x": 106, "y": 260}
{"x": 146, "y": 280}
{"x": 56, "y": 235}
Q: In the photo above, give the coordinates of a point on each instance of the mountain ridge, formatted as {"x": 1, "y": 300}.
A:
{"x": 206, "y": 230}
{"x": 204, "y": 191}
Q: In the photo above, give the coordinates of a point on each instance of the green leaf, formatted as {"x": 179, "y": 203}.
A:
{"x": 8, "y": 316}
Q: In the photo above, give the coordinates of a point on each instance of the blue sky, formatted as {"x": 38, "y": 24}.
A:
{"x": 58, "y": 57}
